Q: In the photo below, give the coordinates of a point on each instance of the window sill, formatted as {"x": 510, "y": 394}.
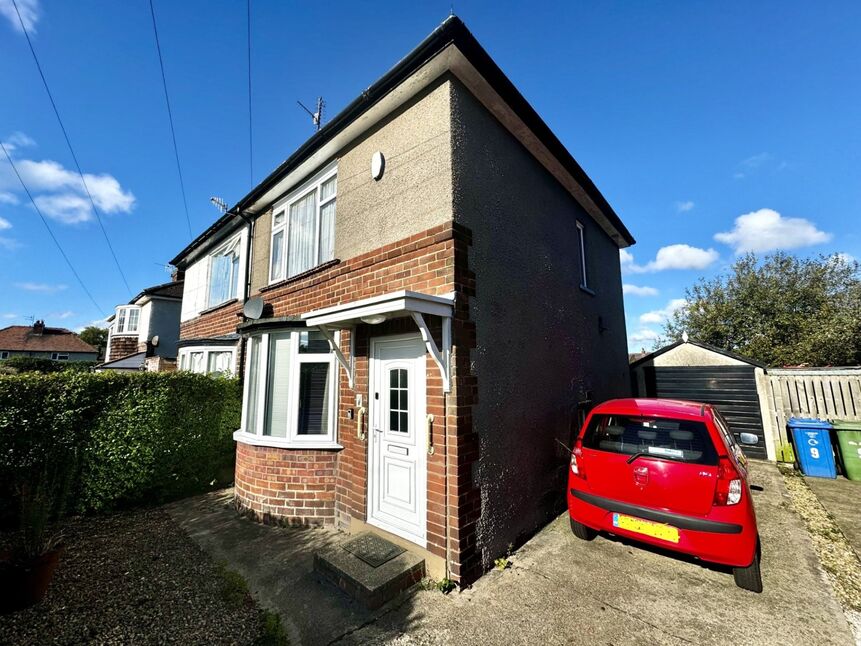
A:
{"x": 583, "y": 288}
{"x": 215, "y": 308}
{"x": 132, "y": 334}
{"x": 281, "y": 443}
{"x": 298, "y": 277}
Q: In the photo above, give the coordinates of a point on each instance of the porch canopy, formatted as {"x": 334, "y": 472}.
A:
{"x": 377, "y": 309}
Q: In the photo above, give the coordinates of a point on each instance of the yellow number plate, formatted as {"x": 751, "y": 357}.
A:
{"x": 646, "y": 527}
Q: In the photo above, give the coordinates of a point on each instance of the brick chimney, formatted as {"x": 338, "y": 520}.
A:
{"x": 38, "y": 328}
{"x": 177, "y": 275}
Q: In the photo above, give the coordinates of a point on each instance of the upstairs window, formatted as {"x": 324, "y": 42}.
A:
{"x": 303, "y": 229}
{"x": 581, "y": 238}
{"x": 128, "y": 319}
{"x": 224, "y": 273}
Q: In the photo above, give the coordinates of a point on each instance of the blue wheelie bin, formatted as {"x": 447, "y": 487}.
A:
{"x": 812, "y": 439}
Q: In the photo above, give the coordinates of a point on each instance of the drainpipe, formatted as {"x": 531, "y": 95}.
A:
{"x": 248, "y": 249}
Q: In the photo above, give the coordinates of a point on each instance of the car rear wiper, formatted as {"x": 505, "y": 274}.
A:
{"x": 641, "y": 454}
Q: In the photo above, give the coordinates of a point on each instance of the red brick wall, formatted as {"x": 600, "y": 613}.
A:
{"x": 268, "y": 481}
{"x": 122, "y": 346}
{"x": 285, "y": 486}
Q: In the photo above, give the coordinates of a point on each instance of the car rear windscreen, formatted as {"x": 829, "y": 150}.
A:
{"x": 672, "y": 439}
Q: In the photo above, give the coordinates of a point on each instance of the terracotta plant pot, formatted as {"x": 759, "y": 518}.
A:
{"x": 23, "y": 584}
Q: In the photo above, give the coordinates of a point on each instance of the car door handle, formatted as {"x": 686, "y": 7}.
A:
{"x": 641, "y": 475}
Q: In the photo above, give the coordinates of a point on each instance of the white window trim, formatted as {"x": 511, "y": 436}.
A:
{"x": 185, "y": 352}
{"x": 581, "y": 238}
{"x": 292, "y": 440}
{"x": 235, "y": 241}
{"x": 123, "y": 331}
{"x": 59, "y": 356}
{"x": 4, "y": 354}
{"x": 283, "y": 206}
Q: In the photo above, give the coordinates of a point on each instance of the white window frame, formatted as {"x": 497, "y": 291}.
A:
{"x": 184, "y": 356}
{"x": 292, "y": 439}
{"x": 283, "y": 207}
{"x": 581, "y": 237}
{"x": 59, "y": 356}
{"x": 4, "y": 354}
{"x": 122, "y": 319}
{"x": 236, "y": 243}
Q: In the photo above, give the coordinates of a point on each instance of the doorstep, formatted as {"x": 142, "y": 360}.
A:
{"x": 370, "y": 568}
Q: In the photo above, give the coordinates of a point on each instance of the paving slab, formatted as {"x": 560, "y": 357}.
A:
{"x": 559, "y": 590}
{"x": 842, "y": 499}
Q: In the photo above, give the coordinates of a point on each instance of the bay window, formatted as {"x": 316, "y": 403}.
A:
{"x": 224, "y": 274}
{"x": 128, "y": 319}
{"x": 303, "y": 228}
{"x": 213, "y": 360}
{"x": 290, "y": 390}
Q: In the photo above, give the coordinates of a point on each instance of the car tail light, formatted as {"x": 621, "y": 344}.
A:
{"x": 728, "y": 490}
{"x": 577, "y": 462}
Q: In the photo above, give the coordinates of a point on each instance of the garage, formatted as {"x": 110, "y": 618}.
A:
{"x": 700, "y": 372}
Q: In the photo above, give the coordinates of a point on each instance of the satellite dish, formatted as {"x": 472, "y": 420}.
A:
{"x": 253, "y": 307}
{"x": 154, "y": 341}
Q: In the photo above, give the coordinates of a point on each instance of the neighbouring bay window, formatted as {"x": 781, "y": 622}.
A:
{"x": 290, "y": 389}
{"x": 128, "y": 319}
{"x": 224, "y": 273}
{"x": 303, "y": 229}
{"x": 208, "y": 360}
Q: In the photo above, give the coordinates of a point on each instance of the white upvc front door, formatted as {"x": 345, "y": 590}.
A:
{"x": 397, "y": 456}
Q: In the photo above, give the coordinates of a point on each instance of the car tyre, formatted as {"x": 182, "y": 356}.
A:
{"x": 581, "y": 531}
{"x": 750, "y": 577}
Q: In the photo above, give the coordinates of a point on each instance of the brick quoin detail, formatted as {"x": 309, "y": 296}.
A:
{"x": 285, "y": 486}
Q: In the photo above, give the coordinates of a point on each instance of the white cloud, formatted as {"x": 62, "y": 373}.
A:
{"x": 60, "y": 315}
{"x": 5, "y": 224}
{"x": 684, "y": 207}
{"x": 642, "y": 337}
{"x": 674, "y": 256}
{"x": 30, "y": 13}
{"x": 637, "y": 290}
{"x": 41, "y": 287}
{"x": 59, "y": 192}
{"x": 767, "y": 230}
{"x": 751, "y": 164}
{"x": 845, "y": 258}
{"x": 9, "y": 316}
{"x": 97, "y": 323}
{"x": 10, "y": 244}
{"x": 659, "y": 316}
{"x": 18, "y": 139}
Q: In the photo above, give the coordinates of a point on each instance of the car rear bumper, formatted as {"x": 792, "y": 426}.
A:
{"x": 717, "y": 541}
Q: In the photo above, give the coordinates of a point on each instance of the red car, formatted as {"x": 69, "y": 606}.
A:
{"x": 668, "y": 473}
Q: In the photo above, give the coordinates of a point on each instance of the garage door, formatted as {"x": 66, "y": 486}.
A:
{"x": 732, "y": 389}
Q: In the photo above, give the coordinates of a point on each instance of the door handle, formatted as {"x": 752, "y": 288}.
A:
{"x": 641, "y": 475}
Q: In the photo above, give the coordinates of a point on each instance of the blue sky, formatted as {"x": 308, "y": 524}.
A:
{"x": 712, "y": 128}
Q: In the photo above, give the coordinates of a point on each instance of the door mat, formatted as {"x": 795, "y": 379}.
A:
{"x": 372, "y": 549}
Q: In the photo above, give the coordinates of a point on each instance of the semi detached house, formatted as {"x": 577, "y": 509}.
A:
{"x": 439, "y": 299}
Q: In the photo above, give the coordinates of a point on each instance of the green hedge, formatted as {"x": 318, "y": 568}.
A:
{"x": 14, "y": 365}
{"x": 134, "y": 438}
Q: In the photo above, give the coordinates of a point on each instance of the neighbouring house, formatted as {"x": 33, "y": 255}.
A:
{"x": 143, "y": 334}
{"x": 422, "y": 300}
{"x": 44, "y": 342}
{"x": 700, "y": 372}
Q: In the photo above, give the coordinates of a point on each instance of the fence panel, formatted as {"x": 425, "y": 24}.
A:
{"x": 825, "y": 393}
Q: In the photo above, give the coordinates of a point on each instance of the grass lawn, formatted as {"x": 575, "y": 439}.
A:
{"x": 136, "y": 578}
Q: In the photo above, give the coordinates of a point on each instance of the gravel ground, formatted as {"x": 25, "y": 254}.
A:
{"x": 136, "y": 578}
{"x": 835, "y": 553}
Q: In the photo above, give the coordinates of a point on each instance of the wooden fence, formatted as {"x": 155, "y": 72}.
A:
{"x": 824, "y": 393}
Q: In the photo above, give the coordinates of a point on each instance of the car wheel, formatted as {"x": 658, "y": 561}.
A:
{"x": 581, "y": 531}
{"x": 749, "y": 578}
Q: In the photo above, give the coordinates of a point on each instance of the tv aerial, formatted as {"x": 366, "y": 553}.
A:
{"x": 316, "y": 117}
{"x": 219, "y": 203}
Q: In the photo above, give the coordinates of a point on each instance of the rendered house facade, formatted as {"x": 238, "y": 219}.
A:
{"x": 143, "y": 334}
{"x": 442, "y": 298}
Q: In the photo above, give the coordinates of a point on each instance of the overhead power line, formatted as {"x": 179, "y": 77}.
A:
{"x": 69, "y": 144}
{"x": 50, "y": 233}
{"x": 170, "y": 118}
{"x": 250, "y": 131}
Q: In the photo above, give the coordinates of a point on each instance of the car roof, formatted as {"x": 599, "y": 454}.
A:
{"x": 655, "y": 407}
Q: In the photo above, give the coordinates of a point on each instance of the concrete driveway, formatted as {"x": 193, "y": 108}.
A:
{"x": 559, "y": 590}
